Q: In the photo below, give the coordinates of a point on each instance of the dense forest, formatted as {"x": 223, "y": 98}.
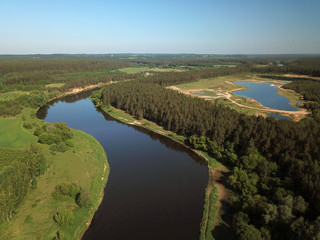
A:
{"x": 275, "y": 164}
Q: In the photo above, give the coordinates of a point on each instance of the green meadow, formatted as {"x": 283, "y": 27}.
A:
{"x": 85, "y": 164}
{"x": 13, "y": 135}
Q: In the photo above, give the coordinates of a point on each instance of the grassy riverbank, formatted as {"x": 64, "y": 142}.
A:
{"x": 84, "y": 164}
{"x": 211, "y": 215}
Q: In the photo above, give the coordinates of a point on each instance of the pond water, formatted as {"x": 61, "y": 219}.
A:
{"x": 156, "y": 186}
{"x": 266, "y": 94}
{"x": 278, "y": 116}
{"x": 204, "y": 94}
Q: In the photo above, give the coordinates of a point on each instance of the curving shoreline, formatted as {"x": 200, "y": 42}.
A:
{"x": 80, "y": 231}
{"x": 215, "y": 192}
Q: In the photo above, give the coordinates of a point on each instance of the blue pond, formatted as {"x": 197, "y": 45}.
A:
{"x": 265, "y": 94}
{"x": 277, "y": 116}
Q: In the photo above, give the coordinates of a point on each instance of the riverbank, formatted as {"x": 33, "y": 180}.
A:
{"x": 215, "y": 192}
{"x": 84, "y": 164}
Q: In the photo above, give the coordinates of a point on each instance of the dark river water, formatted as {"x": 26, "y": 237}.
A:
{"x": 156, "y": 186}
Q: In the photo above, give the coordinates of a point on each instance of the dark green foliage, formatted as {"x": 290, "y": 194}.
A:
{"x": 10, "y": 108}
{"x": 84, "y": 199}
{"x": 64, "y": 217}
{"x": 49, "y": 138}
{"x": 65, "y": 190}
{"x": 310, "y": 89}
{"x": 16, "y": 178}
{"x": 34, "y": 183}
{"x": 58, "y": 135}
{"x": 59, "y": 236}
{"x": 69, "y": 143}
{"x": 27, "y": 125}
{"x": 60, "y": 147}
{"x": 7, "y": 156}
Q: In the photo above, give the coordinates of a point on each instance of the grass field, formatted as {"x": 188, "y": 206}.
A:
{"x": 85, "y": 164}
{"x": 13, "y": 135}
{"x": 214, "y": 83}
{"x": 11, "y": 95}
{"x": 167, "y": 70}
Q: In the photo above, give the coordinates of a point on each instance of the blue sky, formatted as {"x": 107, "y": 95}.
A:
{"x": 167, "y": 26}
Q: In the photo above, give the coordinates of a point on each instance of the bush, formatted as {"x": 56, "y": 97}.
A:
{"x": 64, "y": 217}
{"x": 49, "y": 138}
{"x": 27, "y": 125}
{"x": 65, "y": 190}
{"x": 84, "y": 199}
{"x": 34, "y": 183}
{"x": 69, "y": 143}
{"x": 59, "y": 236}
{"x": 60, "y": 147}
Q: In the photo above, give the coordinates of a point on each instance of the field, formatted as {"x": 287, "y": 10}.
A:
{"x": 167, "y": 70}
{"x": 214, "y": 83}
{"x": 13, "y": 135}
{"x": 11, "y": 95}
{"x": 34, "y": 217}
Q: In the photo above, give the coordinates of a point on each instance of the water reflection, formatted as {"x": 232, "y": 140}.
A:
{"x": 156, "y": 185}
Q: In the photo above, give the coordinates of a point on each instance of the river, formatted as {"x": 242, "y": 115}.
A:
{"x": 156, "y": 186}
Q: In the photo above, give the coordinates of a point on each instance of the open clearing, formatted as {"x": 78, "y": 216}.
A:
{"x": 218, "y": 88}
{"x": 12, "y": 95}
{"x": 13, "y": 135}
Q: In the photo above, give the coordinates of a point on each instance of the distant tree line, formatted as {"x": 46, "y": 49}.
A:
{"x": 34, "y": 99}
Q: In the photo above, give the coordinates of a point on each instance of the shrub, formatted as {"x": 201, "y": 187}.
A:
{"x": 65, "y": 190}
{"x": 34, "y": 183}
{"x": 49, "y": 138}
{"x": 64, "y": 217}
{"x": 60, "y": 147}
{"x": 27, "y": 125}
{"x": 84, "y": 199}
{"x": 69, "y": 143}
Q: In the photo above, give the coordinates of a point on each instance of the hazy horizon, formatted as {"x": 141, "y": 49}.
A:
{"x": 160, "y": 27}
